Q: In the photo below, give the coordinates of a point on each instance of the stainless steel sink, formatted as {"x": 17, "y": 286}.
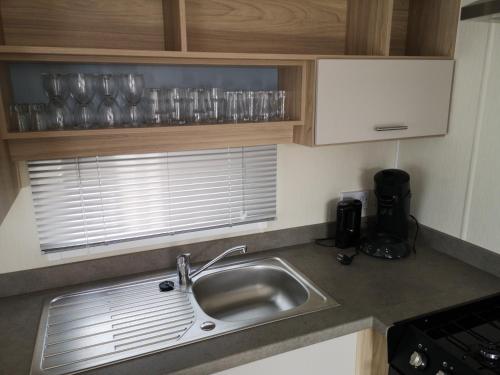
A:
{"x": 114, "y": 323}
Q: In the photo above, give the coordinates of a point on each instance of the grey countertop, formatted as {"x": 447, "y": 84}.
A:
{"x": 372, "y": 294}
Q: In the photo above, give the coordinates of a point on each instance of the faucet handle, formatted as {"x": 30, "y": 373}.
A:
{"x": 184, "y": 268}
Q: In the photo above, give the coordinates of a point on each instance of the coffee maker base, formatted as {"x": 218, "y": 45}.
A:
{"x": 385, "y": 247}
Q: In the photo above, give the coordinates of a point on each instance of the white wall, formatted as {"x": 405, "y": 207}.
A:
{"x": 309, "y": 182}
{"x": 456, "y": 179}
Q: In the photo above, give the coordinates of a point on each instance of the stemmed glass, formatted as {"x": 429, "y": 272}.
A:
{"x": 83, "y": 87}
{"x": 56, "y": 88}
{"x": 132, "y": 86}
{"x": 108, "y": 113}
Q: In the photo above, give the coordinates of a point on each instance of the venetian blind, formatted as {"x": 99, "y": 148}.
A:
{"x": 90, "y": 201}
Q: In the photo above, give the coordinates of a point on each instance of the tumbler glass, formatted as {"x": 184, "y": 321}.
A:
{"x": 235, "y": 106}
{"x": 38, "y": 116}
{"x": 278, "y": 105}
{"x": 21, "y": 116}
{"x": 216, "y": 105}
{"x": 264, "y": 110}
{"x": 197, "y": 101}
{"x": 153, "y": 107}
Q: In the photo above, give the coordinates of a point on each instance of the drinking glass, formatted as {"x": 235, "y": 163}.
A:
{"x": 59, "y": 116}
{"x": 198, "y": 105}
{"x": 56, "y": 86}
{"x": 264, "y": 110}
{"x": 235, "y": 106}
{"x": 180, "y": 101}
{"x": 250, "y": 100}
{"x": 38, "y": 116}
{"x": 21, "y": 117}
{"x": 278, "y": 105}
{"x": 109, "y": 114}
{"x": 215, "y": 105}
{"x": 107, "y": 85}
{"x": 132, "y": 86}
{"x": 153, "y": 108}
{"x": 83, "y": 88}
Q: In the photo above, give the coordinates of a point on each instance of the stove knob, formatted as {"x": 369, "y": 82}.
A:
{"x": 418, "y": 360}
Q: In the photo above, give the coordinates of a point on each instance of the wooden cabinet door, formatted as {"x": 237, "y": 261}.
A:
{"x": 368, "y": 100}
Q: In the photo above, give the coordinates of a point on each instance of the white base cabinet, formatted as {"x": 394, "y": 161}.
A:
{"x": 332, "y": 357}
{"x": 375, "y": 99}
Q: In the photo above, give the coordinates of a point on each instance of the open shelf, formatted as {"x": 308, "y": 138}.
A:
{"x": 67, "y": 144}
{"x": 424, "y": 27}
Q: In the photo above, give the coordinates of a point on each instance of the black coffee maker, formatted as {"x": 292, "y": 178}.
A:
{"x": 389, "y": 238}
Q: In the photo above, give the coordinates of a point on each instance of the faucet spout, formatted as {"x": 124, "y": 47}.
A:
{"x": 184, "y": 267}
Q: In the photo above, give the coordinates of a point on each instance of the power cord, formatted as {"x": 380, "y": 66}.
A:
{"x": 416, "y": 234}
{"x": 341, "y": 257}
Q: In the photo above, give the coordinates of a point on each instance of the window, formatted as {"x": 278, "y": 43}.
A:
{"x": 91, "y": 201}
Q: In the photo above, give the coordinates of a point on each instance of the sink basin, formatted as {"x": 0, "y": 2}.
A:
{"x": 116, "y": 322}
{"x": 249, "y": 293}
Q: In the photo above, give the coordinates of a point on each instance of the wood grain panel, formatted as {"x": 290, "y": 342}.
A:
{"x": 371, "y": 353}
{"x": 174, "y": 13}
{"x": 399, "y": 27}
{"x": 304, "y": 134}
{"x": 290, "y": 78}
{"x": 368, "y": 27}
{"x": 131, "y": 24}
{"x": 9, "y": 183}
{"x": 267, "y": 26}
{"x": 432, "y": 27}
{"x": 152, "y": 140}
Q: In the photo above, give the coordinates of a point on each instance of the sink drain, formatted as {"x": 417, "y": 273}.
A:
{"x": 207, "y": 326}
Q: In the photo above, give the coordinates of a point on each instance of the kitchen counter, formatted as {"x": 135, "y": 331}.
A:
{"x": 372, "y": 294}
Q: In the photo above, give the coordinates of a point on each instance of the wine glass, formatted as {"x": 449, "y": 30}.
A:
{"x": 56, "y": 86}
{"x": 132, "y": 87}
{"x": 59, "y": 116}
{"x": 109, "y": 114}
{"x": 83, "y": 88}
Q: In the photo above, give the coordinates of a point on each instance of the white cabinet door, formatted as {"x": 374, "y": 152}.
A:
{"x": 366, "y": 100}
{"x": 332, "y": 357}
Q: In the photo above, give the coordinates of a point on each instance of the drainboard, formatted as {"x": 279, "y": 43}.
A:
{"x": 106, "y": 325}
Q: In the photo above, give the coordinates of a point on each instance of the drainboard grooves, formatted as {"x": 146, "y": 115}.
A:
{"x": 79, "y": 334}
{"x": 101, "y": 326}
{"x": 114, "y": 303}
{"x": 79, "y": 315}
{"x": 89, "y": 322}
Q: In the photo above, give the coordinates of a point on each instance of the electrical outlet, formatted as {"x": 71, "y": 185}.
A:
{"x": 361, "y": 195}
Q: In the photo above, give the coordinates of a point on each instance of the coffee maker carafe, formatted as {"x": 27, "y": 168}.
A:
{"x": 389, "y": 239}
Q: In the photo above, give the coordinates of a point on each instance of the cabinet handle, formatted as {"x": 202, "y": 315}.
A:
{"x": 389, "y": 128}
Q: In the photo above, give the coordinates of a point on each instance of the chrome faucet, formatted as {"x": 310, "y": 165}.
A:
{"x": 184, "y": 264}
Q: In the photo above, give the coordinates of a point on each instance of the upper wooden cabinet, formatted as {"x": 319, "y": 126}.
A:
{"x": 287, "y": 35}
{"x": 319, "y": 27}
{"x": 367, "y": 100}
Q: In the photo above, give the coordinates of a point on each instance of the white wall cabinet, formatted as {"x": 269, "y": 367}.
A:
{"x": 375, "y": 99}
{"x": 332, "y": 357}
